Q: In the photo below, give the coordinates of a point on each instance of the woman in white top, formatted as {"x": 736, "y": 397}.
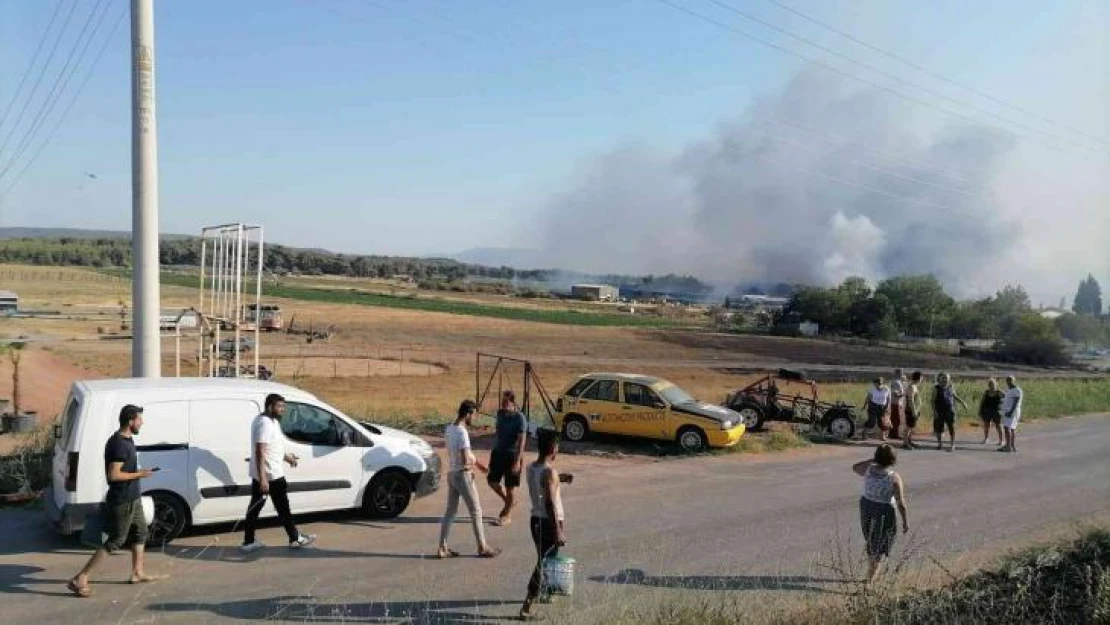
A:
{"x": 460, "y": 483}
{"x": 883, "y": 490}
{"x": 877, "y": 403}
{"x": 547, "y": 512}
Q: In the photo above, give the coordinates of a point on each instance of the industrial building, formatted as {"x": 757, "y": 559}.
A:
{"x": 595, "y": 292}
{"x": 9, "y": 303}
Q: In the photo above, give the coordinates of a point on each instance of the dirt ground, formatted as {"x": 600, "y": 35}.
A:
{"x": 384, "y": 361}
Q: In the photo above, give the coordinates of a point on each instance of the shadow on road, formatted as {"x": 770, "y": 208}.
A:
{"x": 231, "y": 553}
{"x": 302, "y": 609}
{"x": 636, "y": 577}
{"x": 17, "y": 579}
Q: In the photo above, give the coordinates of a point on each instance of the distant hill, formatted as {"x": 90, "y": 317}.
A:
{"x": 73, "y": 233}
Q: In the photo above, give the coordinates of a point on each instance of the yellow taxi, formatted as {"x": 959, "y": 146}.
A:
{"x": 646, "y": 407}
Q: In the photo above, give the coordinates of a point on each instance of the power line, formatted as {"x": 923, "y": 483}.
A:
{"x": 927, "y": 71}
{"x": 38, "y": 81}
{"x": 61, "y": 81}
{"x": 892, "y": 76}
{"x": 31, "y": 65}
{"x": 89, "y": 72}
{"x": 841, "y": 72}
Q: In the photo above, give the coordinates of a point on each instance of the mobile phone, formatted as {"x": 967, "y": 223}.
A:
{"x": 566, "y": 478}
{"x": 155, "y": 469}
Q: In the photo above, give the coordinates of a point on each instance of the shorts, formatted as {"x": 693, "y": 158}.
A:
{"x": 943, "y": 420}
{"x": 911, "y": 418}
{"x": 125, "y": 524}
{"x": 502, "y": 466}
{"x": 1011, "y": 423}
{"x": 991, "y": 418}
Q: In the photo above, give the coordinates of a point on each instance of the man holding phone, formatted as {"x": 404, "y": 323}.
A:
{"x": 268, "y": 476}
{"x": 122, "y": 511}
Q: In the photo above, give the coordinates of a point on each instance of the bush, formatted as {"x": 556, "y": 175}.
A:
{"x": 27, "y": 469}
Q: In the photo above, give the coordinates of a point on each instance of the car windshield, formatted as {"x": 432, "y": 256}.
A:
{"x": 675, "y": 395}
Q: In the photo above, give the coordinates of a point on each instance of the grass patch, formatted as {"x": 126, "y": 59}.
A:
{"x": 430, "y": 304}
{"x": 775, "y": 440}
{"x": 1044, "y": 397}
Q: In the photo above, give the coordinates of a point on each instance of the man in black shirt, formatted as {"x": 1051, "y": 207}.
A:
{"x": 122, "y": 510}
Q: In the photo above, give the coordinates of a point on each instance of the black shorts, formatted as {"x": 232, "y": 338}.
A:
{"x": 991, "y": 418}
{"x": 502, "y": 467}
{"x": 944, "y": 420}
{"x": 911, "y": 418}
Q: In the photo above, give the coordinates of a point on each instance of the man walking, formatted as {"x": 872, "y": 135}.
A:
{"x": 122, "y": 511}
{"x": 268, "y": 476}
{"x": 897, "y": 403}
{"x": 913, "y": 409}
{"x": 460, "y": 483}
{"x": 547, "y": 514}
{"x": 1011, "y": 414}
{"x": 507, "y": 458}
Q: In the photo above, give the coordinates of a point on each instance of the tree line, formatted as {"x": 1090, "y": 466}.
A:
{"x": 437, "y": 272}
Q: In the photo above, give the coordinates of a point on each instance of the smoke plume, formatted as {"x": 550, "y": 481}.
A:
{"x": 812, "y": 185}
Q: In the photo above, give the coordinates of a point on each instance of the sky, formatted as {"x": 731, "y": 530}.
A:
{"x": 620, "y": 135}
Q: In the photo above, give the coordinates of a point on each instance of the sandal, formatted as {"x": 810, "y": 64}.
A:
{"x": 147, "y": 579}
{"x": 492, "y": 553}
{"x": 445, "y": 553}
{"x": 81, "y": 591}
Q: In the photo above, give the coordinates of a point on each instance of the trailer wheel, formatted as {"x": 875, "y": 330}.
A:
{"x": 840, "y": 425}
{"x": 752, "y": 416}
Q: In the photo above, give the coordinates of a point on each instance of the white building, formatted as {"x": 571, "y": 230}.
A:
{"x": 9, "y": 302}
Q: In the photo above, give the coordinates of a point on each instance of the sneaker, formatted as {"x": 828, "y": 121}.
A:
{"x": 303, "y": 540}
{"x": 251, "y": 547}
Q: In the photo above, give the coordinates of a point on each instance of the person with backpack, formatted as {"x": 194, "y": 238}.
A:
{"x": 944, "y": 410}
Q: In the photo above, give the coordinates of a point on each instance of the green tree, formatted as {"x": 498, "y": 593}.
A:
{"x": 1034, "y": 340}
{"x": 1082, "y": 329}
{"x": 873, "y": 318}
{"x": 921, "y": 307}
{"x": 1088, "y": 299}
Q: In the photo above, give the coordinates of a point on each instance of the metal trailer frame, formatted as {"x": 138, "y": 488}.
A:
{"x": 798, "y": 409}
{"x": 530, "y": 382}
{"x": 221, "y": 303}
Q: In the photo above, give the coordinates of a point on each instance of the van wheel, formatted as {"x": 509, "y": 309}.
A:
{"x": 387, "y": 495}
{"x": 170, "y": 519}
{"x": 692, "y": 439}
{"x": 575, "y": 429}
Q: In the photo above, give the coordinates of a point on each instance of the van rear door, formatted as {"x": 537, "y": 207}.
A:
{"x": 63, "y": 490}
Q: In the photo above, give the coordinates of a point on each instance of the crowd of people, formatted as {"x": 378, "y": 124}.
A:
{"x": 894, "y": 410}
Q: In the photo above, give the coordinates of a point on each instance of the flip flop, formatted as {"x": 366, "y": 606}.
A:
{"x": 503, "y": 522}
{"x": 81, "y": 591}
{"x": 449, "y": 553}
{"x": 492, "y": 553}
{"x": 148, "y": 579}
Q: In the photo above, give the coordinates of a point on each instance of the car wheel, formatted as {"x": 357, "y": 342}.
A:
{"x": 387, "y": 495}
{"x": 692, "y": 440}
{"x": 170, "y": 519}
{"x": 576, "y": 429}
{"x": 752, "y": 417}
{"x": 841, "y": 425}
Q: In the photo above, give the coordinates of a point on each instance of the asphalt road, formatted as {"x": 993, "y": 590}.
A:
{"x": 642, "y": 531}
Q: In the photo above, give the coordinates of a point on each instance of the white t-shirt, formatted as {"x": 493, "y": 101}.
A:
{"x": 458, "y": 439}
{"x": 879, "y": 396}
{"x": 266, "y": 430}
{"x": 897, "y": 389}
{"x": 1012, "y": 401}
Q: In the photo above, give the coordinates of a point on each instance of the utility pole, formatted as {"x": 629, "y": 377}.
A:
{"x": 146, "y": 344}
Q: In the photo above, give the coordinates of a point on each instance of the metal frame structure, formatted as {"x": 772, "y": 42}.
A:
{"x": 225, "y": 256}
{"x": 530, "y": 381}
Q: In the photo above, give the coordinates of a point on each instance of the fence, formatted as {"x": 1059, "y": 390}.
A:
{"x": 338, "y": 363}
{"x": 60, "y": 276}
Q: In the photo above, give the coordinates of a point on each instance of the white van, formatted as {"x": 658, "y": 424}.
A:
{"x": 197, "y": 431}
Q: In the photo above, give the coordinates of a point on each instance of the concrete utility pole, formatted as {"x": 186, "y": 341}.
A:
{"x": 146, "y": 346}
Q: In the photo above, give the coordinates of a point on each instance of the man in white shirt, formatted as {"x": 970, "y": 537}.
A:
{"x": 268, "y": 476}
{"x": 460, "y": 483}
{"x": 1011, "y": 414}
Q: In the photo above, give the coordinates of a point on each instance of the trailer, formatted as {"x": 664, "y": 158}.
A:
{"x": 799, "y": 403}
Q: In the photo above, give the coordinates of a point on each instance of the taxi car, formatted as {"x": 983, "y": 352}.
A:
{"x": 646, "y": 407}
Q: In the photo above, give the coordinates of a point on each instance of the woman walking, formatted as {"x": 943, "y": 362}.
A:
{"x": 877, "y": 403}
{"x": 883, "y": 491}
{"x": 460, "y": 483}
{"x": 944, "y": 410}
{"x": 547, "y": 513}
{"x": 990, "y": 411}
{"x": 913, "y": 409}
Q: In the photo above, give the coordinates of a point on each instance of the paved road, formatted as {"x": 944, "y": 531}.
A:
{"x": 642, "y": 531}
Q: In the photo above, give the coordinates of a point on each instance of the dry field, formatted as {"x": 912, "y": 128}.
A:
{"x": 389, "y": 362}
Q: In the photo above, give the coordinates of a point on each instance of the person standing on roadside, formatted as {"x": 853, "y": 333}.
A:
{"x": 268, "y": 476}
{"x": 460, "y": 483}
{"x": 990, "y": 411}
{"x": 913, "y": 409}
{"x": 944, "y": 410}
{"x": 877, "y": 403}
{"x": 1011, "y": 413}
{"x": 883, "y": 491}
{"x": 897, "y": 403}
{"x": 547, "y": 513}
{"x": 506, "y": 461}
{"x": 122, "y": 511}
